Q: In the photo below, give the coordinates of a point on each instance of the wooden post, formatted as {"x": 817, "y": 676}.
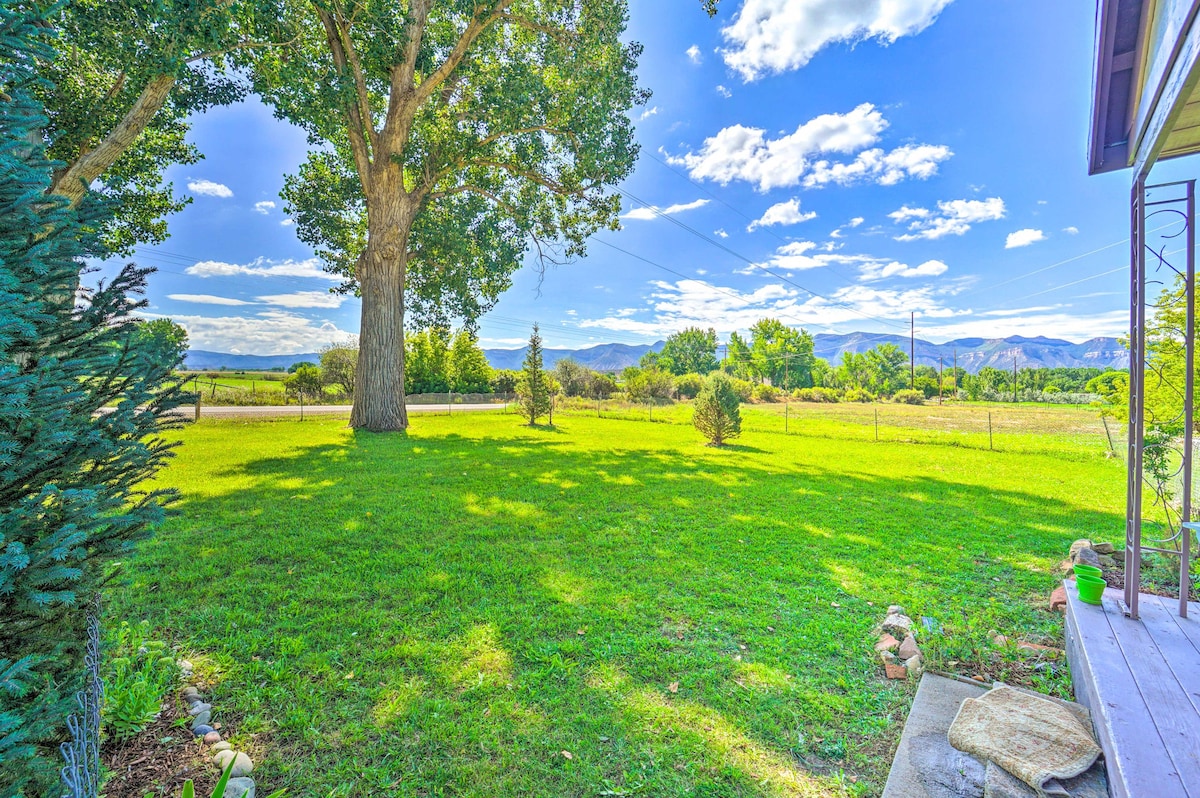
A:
{"x": 989, "y": 429}
{"x": 877, "y": 425}
{"x": 785, "y": 417}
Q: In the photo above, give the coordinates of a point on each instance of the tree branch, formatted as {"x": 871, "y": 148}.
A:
{"x": 474, "y": 29}
{"x": 360, "y": 141}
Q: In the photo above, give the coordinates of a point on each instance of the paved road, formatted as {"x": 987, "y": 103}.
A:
{"x": 219, "y": 411}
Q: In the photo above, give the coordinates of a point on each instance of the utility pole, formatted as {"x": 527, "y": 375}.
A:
{"x": 939, "y": 379}
{"x": 912, "y": 351}
{"x": 1014, "y": 379}
{"x": 956, "y": 371}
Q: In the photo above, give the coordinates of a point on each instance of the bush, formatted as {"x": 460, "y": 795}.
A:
{"x": 909, "y": 397}
{"x": 651, "y": 383}
{"x": 338, "y": 365}
{"x": 743, "y": 388}
{"x": 137, "y": 676}
{"x": 687, "y": 386}
{"x": 718, "y": 413}
{"x": 825, "y": 395}
{"x": 305, "y": 381}
{"x": 858, "y": 395}
{"x": 764, "y": 393}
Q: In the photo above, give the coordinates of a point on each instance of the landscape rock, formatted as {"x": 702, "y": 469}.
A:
{"x": 908, "y": 648}
{"x": 897, "y": 625}
{"x": 895, "y": 671}
{"x": 914, "y": 665}
{"x": 1078, "y": 546}
{"x": 222, "y": 758}
{"x": 212, "y": 737}
{"x": 188, "y": 692}
{"x": 236, "y": 788}
{"x": 221, "y": 746}
{"x": 1106, "y": 561}
{"x": 887, "y": 657}
{"x": 1103, "y": 548}
{"x": 887, "y": 643}
{"x": 199, "y": 707}
{"x": 1038, "y": 648}
{"x": 202, "y": 720}
{"x": 895, "y": 609}
{"x": 202, "y": 730}
{"x": 243, "y": 765}
{"x": 1087, "y": 557}
{"x": 1058, "y": 599}
{"x": 186, "y": 666}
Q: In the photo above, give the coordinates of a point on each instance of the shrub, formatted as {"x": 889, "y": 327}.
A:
{"x": 306, "y": 381}
{"x": 718, "y": 413}
{"x": 137, "y": 675}
{"x": 743, "y": 388}
{"x": 858, "y": 395}
{"x": 651, "y": 383}
{"x": 687, "y": 386}
{"x": 764, "y": 393}
{"x": 504, "y": 381}
{"x": 909, "y": 397}
{"x": 826, "y": 395}
{"x": 338, "y": 365}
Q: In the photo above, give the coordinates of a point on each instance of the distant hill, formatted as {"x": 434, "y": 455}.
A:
{"x": 973, "y": 353}
{"x": 200, "y": 360}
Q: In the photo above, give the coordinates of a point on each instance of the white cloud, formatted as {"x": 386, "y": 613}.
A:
{"x": 288, "y": 222}
{"x": 653, "y": 212}
{"x": 782, "y": 213}
{"x": 693, "y": 54}
{"x": 649, "y": 112}
{"x": 305, "y": 299}
{"x": 881, "y": 271}
{"x": 264, "y": 207}
{"x": 772, "y": 36}
{"x": 1071, "y": 231}
{"x": 1054, "y": 325}
{"x": 918, "y": 161}
{"x": 952, "y": 217}
{"x": 1023, "y": 238}
{"x": 724, "y": 92}
{"x": 209, "y": 189}
{"x": 207, "y": 299}
{"x": 272, "y": 332}
{"x": 745, "y": 153}
{"x": 720, "y": 233}
{"x": 855, "y": 222}
{"x": 804, "y": 255}
{"x": 685, "y": 303}
{"x": 261, "y": 267}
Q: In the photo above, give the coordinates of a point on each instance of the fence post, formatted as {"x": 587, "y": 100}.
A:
{"x": 877, "y": 425}
{"x": 597, "y": 407}
{"x": 989, "y": 429}
{"x": 650, "y": 406}
{"x": 1108, "y": 435}
{"x": 785, "y": 418}
{"x": 450, "y": 404}
{"x": 301, "y": 395}
{"x": 197, "y": 407}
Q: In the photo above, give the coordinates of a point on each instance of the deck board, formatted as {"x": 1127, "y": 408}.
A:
{"x": 1177, "y": 650}
{"x": 1127, "y": 712}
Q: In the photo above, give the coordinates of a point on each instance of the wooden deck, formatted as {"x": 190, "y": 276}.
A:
{"x": 1141, "y": 680}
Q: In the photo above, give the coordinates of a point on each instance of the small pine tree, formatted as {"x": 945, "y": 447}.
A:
{"x": 71, "y": 476}
{"x": 533, "y": 387}
{"x": 718, "y": 412}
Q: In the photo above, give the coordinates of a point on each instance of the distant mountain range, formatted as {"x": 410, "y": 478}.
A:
{"x": 973, "y": 353}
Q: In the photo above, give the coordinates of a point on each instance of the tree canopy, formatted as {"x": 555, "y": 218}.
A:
{"x": 690, "y": 351}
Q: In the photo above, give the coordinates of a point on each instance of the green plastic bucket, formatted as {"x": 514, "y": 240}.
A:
{"x": 1091, "y": 588}
{"x": 1082, "y": 569}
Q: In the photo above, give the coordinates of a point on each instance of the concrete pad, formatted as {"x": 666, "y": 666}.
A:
{"x": 926, "y": 765}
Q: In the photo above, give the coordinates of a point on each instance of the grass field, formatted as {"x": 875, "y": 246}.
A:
{"x": 604, "y": 608}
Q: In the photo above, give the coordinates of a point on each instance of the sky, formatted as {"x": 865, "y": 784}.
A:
{"x": 836, "y": 164}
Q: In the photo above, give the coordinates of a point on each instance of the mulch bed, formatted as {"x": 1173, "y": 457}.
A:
{"x": 159, "y": 760}
{"x": 1115, "y": 577}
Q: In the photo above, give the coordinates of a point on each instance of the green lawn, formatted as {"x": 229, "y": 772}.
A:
{"x": 446, "y": 613}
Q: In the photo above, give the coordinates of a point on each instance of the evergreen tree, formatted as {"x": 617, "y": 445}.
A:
{"x": 718, "y": 413}
{"x": 533, "y": 388}
{"x": 70, "y": 475}
{"x": 470, "y": 371}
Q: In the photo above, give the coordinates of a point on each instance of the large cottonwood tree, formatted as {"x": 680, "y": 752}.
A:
{"x": 450, "y": 138}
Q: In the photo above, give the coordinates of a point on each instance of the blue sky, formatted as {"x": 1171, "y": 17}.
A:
{"x": 837, "y": 164}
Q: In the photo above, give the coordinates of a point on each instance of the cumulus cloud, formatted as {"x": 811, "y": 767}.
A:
{"x": 746, "y": 153}
{"x": 304, "y": 299}
{"x": 693, "y": 54}
{"x": 1023, "y": 238}
{"x": 654, "y": 211}
{"x": 272, "y": 332}
{"x": 684, "y": 303}
{"x": 1071, "y": 231}
{"x": 207, "y": 299}
{"x": 724, "y": 92}
{"x": 264, "y": 207}
{"x": 773, "y": 36}
{"x": 649, "y": 112}
{"x": 262, "y": 267}
{"x": 783, "y": 213}
{"x": 720, "y": 233}
{"x": 804, "y": 255}
{"x": 952, "y": 217}
{"x": 209, "y": 189}
{"x": 882, "y": 271}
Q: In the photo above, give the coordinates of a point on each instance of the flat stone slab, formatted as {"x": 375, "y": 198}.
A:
{"x": 926, "y": 765}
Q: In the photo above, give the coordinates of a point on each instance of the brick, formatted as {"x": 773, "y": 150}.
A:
{"x": 895, "y": 671}
{"x": 887, "y": 643}
{"x": 1058, "y": 599}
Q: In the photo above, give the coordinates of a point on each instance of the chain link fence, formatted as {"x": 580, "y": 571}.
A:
{"x": 81, "y": 753}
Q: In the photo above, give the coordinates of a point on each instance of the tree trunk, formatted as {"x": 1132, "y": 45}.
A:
{"x": 379, "y": 379}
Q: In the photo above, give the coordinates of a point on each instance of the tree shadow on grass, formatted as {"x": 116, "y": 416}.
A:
{"x": 417, "y": 615}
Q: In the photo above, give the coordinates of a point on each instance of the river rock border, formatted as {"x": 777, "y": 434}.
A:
{"x": 223, "y": 753}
